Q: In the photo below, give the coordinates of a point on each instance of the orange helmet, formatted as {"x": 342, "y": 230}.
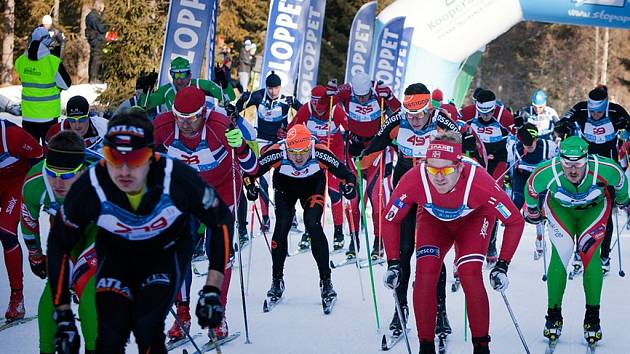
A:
{"x": 298, "y": 137}
{"x": 417, "y": 102}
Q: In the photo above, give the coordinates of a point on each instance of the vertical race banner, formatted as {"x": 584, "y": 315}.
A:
{"x": 212, "y": 33}
{"x": 403, "y": 56}
{"x": 284, "y": 41}
{"x": 360, "y": 41}
{"x": 387, "y": 48}
{"x": 187, "y": 29}
{"x": 309, "y": 62}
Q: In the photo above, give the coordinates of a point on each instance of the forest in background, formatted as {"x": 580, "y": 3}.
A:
{"x": 565, "y": 61}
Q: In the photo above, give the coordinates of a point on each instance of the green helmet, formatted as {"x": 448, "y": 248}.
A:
{"x": 573, "y": 148}
{"x": 180, "y": 64}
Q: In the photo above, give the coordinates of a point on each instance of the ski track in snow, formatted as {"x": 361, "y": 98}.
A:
{"x": 298, "y": 325}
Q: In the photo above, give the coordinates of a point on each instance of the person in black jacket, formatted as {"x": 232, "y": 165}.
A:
{"x": 95, "y": 30}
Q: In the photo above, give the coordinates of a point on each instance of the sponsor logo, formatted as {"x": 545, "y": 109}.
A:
{"x": 327, "y": 158}
{"x": 158, "y": 224}
{"x": 113, "y": 285}
{"x": 391, "y": 214}
{"x": 158, "y": 278}
{"x": 273, "y": 157}
{"x": 503, "y": 210}
{"x": 27, "y": 218}
{"x": 11, "y": 205}
{"x": 484, "y": 228}
{"x": 399, "y": 203}
{"x": 597, "y": 232}
{"x": 428, "y": 251}
{"x": 126, "y": 129}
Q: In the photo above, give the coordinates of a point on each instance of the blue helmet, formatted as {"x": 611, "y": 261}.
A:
{"x": 539, "y": 98}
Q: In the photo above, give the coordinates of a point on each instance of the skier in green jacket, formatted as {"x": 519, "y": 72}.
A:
{"x": 181, "y": 74}
{"x": 45, "y": 188}
{"x": 581, "y": 191}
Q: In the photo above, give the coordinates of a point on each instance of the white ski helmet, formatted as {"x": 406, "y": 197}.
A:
{"x": 361, "y": 84}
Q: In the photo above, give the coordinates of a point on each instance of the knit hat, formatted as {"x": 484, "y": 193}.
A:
{"x": 77, "y": 106}
{"x": 189, "y": 102}
{"x": 273, "y": 80}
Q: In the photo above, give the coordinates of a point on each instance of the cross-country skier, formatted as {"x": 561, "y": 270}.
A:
{"x": 299, "y": 164}
{"x": 459, "y": 203}
{"x": 367, "y": 104}
{"x": 181, "y": 75}
{"x": 599, "y": 122}
{"x": 142, "y": 204}
{"x": 326, "y": 127}
{"x": 577, "y": 205}
{"x": 271, "y": 122}
{"x": 203, "y": 139}
{"x": 540, "y": 114}
{"x": 17, "y": 150}
{"x": 45, "y": 188}
{"x": 87, "y": 125}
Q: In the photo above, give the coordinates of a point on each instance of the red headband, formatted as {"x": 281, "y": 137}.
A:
{"x": 445, "y": 150}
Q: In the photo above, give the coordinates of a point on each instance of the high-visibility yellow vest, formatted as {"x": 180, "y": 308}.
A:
{"x": 41, "y": 99}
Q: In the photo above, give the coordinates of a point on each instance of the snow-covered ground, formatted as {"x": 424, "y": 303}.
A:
{"x": 298, "y": 325}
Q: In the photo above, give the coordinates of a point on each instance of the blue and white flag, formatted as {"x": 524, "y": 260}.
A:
{"x": 309, "y": 62}
{"x": 403, "y": 56}
{"x": 360, "y": 41}
{"x": 284, "y": 41}
{"x": 186, "y": 33}
{"x": 387, "y": 48}
{"x": 212, "y": 33}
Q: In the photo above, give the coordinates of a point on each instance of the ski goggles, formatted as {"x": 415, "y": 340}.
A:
{"x": 133, "y": 158}
{"x": 444, "y": 171}
{"x": 65, "y": 175}
{"x": 179, "y": 75}
{"x": 300, "y": 152}
{"x": 78, "y": 119}
{"x": 573, "y": 161}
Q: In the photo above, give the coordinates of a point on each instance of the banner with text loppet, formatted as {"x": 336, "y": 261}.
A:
{"x": 284, "y": 40}
{"x": 360, "y": 41}
{"x": 309, "y": 63}
{"x": 187, "y": 29}
{"x": 386, "y": 54}
{"x": 212, "y": 33}
{"x": 401, "y": 68}
{"x": 602, "y": 13}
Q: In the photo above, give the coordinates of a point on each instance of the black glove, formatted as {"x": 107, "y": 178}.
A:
{"x": 219, "y": 78}
{"x": 392, "y": 275}
{"x": 533, "y": 216}
{"x": 498, "y": 276}
{"x": 355, "y": 146}
{"x": 250, "y": 188}
{"x": 150, "y": 80}
{"x": 141, "y": 81}
{"x": 519, "y": 121}
{"x": 231, "y": 112}
{"x": 289, "y": 100}
{"x": 563, "y": 129}
{"x": 67, "y": 339}
{"x": 209, "y": 310}
{"x": 347, "y": 190}
{"x": 37, "y": 261}
{"x": 469, "y": 143}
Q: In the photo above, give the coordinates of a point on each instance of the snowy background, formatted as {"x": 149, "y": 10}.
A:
{"x": 298, "y": 325}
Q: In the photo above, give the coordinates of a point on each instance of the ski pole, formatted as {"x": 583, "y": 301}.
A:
{"x": 264, "y": 194}
{"x": 380, "y": 185}
{"x": 621, "y": 272}
{"x": 403, "y": 320}
{"x": 465, "y": 320}
{"x": 544, "y": 278}
{"x": 367, "y": 241}
{"x": 509, "y": 168}
{"x": 240, "y": 253}
{"x": 518, "y": 329}
{"x": 261, "y": 224}
{"x": 355, "y": 239}
{"x": 251, "y": 246}
{"x": 215, "y": 342}
{"x": 186, "y": 330}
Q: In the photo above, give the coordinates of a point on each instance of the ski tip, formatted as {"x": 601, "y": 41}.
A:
{"x": 265, "y": 306}
{"x": 384, "y": 343}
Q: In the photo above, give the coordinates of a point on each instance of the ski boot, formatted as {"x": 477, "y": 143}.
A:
{"x": 329, "y": 295}
{"x": 442, "y": 326}
{"x": 221, "y": 331}
{"x": 295, "y": 225}
{"x": 351, "y": 253}
{"x": 396, "y": 325}
{"x": 491, "y": 255}
{"x": 378, "y": 251}
{"x": 605, "y": 265}
{"x": 338, "y": 238}
{"x": 539, "y": 248}
{"x": 305, "y": 242}
{"x": 553, "y": 324}
{"x": 277, "y": 288}
{"x": 592, "y": 329}
{"x": 480, "y": 345}
{"x": 266, "y": 224}
{"x": 183, "y": 315}
{"x": 15, "y": 310}
{"x": 243, "y": 240}
{"x": 427, "y": 347}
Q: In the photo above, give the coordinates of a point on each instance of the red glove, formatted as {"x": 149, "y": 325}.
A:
{"x": 282, "y": 133}
{"x": 384, "y": 92}
{"x": 331, "y": 87}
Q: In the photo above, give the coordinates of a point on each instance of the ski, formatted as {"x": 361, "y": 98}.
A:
{"x": 343, "y": 263}
{"x": 270, "y": 303}
{"x": 9, "y": 324}
{"x": 298, "y": 251}
{"x": 551, "y": 346}
{"x": 197, "y": 272}
{"x": 590, "y": 348}
{"x": 577, "y": 270}
{"x": 334, "y": 251}
{"x": 211, "y": 346}
{"x": 390, "y": 340}
{"x": 328, "y": 303}
{"x": 172, "y": 344}
{"x": 442, "y": 343}
{"x": 366, "y": 264}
